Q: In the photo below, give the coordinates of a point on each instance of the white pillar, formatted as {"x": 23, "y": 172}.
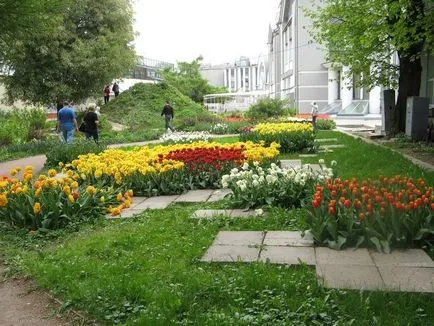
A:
{"x": 225, "y": 77}
{"x": 333, "y": 85}
{"x": 254, "y": 69}
{"x": 238, "y": 79}
{"x": 250, "y": 78}
{"x": 375, "y": 100}
{"x": 245, "y": 77}
{"x": 346, "y": 88}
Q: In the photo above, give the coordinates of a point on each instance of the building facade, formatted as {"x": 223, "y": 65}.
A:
{"x": 240, "y": 77}
{"x": 299, "y": 71}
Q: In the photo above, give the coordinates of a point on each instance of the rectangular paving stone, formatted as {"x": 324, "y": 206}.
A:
{"x": 241, "y": 238}
{"x": 237, "y": 253}
{"x": 325, "y": 150}
{"x": 138, "y": 200}
{"x": 358, "y": 277}
{"x": 288, "y": 255}
{"x": 195, "y": 196}
{"x": 403, "y": 258}
{"x": 307, "y": 155}
{"x": 324, "y": 140}
{"x": 287, "y": 238}
{"x": 244, "y": 213}
{"x": 349, "y": 256}
{"x": 125, "y": 213}
{"x": 286, "y": 164}
{"x": 407, "y": 279}
{"x": 210, "y": 213}
{"x": 219, "y": 194}
{"x": 158, "y": 202}
{"x": 333, "y": 146}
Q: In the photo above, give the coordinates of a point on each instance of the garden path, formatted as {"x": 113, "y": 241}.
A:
{"x": 21, "y": 304}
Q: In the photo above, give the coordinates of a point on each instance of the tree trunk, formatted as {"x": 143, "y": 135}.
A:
{"x": 410, "y": 73}
{"x": 410, "y": 66}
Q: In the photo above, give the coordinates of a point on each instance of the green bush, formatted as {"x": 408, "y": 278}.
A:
{"x": 325, "y": 124}
{"x": 21, "y": 125}
{"x": 266, "y": 108}
{"x": 67, "y": 153}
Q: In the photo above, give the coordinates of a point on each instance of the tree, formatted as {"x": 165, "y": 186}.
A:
{"x": 188, "y": 80}
{"x": 24, "y": 17}
{"x": 365, "y": 34}
{"x": 87, "y": 46}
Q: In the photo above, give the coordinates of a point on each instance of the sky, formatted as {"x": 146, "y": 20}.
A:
{"x": 219, "y": 30}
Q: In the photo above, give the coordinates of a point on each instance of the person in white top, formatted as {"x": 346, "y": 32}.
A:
{"x": 314, "y": 114}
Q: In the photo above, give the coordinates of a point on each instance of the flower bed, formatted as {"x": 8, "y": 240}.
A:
{"x": 380, "y": 213}
{"x": 254, "y": 186}
{"x": 51, "y": 202}
{"x": 185, "y": 137}
{"x": 170, "y": 169}
{"x": 292, "y": 136}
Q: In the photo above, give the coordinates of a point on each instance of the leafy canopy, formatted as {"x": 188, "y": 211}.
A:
{"x": 364, "y": 34}
{"x": 87, "y": 46}
{"x": 188, "y": 80}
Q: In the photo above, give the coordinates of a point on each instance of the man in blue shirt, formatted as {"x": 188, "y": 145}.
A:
{"x": 67, "y": 123}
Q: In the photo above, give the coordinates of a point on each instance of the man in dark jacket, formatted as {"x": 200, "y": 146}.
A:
{"x": 168, "y": 115}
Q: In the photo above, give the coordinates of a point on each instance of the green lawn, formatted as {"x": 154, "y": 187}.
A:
{"x": 146, "y": 271}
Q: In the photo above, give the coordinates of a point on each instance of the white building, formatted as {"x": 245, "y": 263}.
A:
{"x": 299, "y": 71}
{"x": 241, "y": 76}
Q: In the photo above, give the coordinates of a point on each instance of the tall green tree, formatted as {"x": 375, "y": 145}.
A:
{"x": 188, "y": 80}
{"x": 24, "y": 17}
{"x": 88, "y": 44}
{"x": 364, "y": 34}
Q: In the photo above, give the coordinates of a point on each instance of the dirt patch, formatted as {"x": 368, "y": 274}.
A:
{"x": 22, "y": 304}
{"x": 422, "y": 156}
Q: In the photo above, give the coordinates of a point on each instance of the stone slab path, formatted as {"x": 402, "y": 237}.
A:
{"x": 141, "y": 204}
{"x": 213, "y": 213}
{"x": 362, "y": 269}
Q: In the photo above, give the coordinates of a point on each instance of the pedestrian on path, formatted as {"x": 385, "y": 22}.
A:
{"x": 106, "y": 94}
{"x": 168, "y": 115}
{"x": 67, "y": 123}
{"x": 91, "y": 124}
{"x": 314, "y": 114}
{"x": 115, "y": 89}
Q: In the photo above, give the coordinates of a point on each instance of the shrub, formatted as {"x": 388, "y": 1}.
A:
{"x": 266, "y": 108}
{"x": 380, "y": 213}
{"x": 14, "y": 129}
{"x": 62, "y": 153}
{"x": 325, "y": 124}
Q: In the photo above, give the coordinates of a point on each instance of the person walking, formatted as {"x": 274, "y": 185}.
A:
{"x": 115, "y": 89}
{"x": 314, "y": 114}
{"x": 91, "y": 123}
{"x": 67, "y": 123}
{"x": 106, "y": 94}
{"x": 168, "y": 115}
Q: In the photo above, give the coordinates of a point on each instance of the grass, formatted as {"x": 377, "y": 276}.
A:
{"x": 146, "y": 271}
{"x": 362, "y": 160}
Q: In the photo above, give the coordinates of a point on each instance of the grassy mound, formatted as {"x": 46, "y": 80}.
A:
{"x": 140, "y": 107}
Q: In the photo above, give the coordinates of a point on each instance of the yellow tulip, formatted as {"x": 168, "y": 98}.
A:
{"x": 36, "y": 208}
